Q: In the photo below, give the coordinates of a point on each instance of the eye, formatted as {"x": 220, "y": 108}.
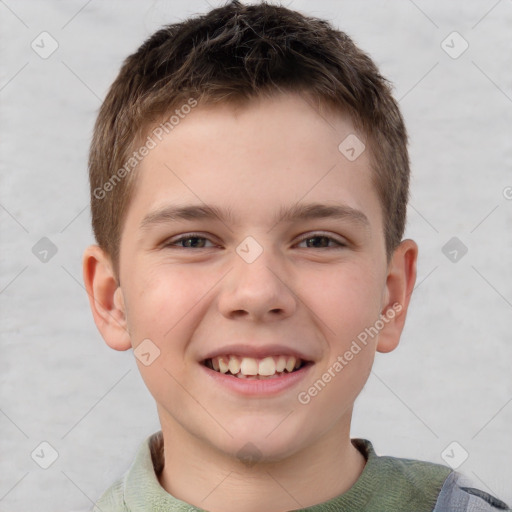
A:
{"x": 321, "y": 241}
{"x": 197, "y": 241}
{"x": 189, "y": 241}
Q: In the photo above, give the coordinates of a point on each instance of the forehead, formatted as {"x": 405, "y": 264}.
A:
{"x": 265, "y": 155}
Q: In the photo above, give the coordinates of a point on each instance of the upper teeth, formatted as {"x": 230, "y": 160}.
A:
{"x": 250, "y": 366}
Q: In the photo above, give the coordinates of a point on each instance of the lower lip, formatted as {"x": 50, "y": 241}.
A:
{"x": 258, "y": 387}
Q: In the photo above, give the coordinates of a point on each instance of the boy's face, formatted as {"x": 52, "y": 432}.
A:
{"x": 253, "y": 285}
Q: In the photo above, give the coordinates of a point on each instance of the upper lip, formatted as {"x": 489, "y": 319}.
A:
{"x": 257, "y": 352}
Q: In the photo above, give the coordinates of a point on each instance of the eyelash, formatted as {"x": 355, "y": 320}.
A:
{"x": 172, "y": 243}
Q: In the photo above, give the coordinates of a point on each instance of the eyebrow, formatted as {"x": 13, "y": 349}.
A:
{"x": 298, "y": 212}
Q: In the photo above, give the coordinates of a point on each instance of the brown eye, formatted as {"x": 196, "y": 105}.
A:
{"x": 190, "y": 241}
{"x": 195, "y": 241}
{"x": 321, "y": 241}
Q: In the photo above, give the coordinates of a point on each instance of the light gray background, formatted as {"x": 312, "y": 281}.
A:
{"x": 450, "y": 379}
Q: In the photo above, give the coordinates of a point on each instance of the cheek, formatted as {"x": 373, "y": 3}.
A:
{"x": 160, "y": 302}
{"x": 346, "y": 299}
{"x": 163, "y": 305}
{"x": 347, "y": 302}
{"x": 353, "y": 301}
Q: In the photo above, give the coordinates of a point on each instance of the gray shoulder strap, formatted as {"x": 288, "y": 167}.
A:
{"x": 459, "y": 495}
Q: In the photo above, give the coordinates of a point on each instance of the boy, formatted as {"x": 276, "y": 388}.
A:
{"x": 249, "y": 180}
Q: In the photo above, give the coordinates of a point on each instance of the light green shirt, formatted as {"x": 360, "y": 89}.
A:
{"x": 386, "y": 484}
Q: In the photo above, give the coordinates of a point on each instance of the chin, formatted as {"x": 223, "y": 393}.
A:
{"x": 267, "y": 440}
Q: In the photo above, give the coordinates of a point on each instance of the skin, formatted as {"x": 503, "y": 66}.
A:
{"x": 200, "y": 295}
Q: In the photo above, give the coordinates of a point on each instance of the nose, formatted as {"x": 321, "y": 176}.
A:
{"x": 258, "y": 291}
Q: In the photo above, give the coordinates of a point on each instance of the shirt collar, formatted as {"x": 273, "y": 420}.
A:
{"x": 142, "y": 490}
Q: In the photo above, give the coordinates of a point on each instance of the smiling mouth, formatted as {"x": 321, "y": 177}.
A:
{"x": 271, "y": 367}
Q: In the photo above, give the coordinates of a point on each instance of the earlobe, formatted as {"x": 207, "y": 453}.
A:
{"x": 399, "y": 286}
{"x": 105, "y": 298}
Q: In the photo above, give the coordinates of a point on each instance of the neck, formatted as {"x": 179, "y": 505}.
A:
{"x": 199, "y": 474}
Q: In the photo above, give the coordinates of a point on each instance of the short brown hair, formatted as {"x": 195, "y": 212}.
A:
{"x": 233, "y": 54}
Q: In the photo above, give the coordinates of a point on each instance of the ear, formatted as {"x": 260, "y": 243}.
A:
{"x": 105, "y": 298}
{"x": 399, "y": 286}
